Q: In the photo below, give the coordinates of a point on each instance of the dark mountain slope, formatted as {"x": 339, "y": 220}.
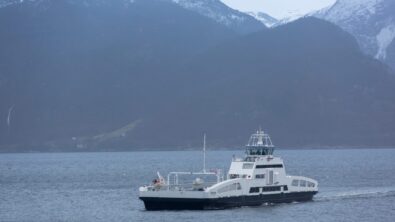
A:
{"x": 306, "y": 82}
{"x": 68, "y": 69}
{"x": 150, "y": 74}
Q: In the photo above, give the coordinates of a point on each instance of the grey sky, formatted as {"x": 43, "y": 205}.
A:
{"x": 279, "y": 8}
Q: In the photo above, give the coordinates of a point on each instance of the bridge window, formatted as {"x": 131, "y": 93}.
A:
{"x": 260, "y": 176}
{"x": 254, "y": 190}
{"x": 310, "y": 184}
{"x": 302, "y": 183}
{"x": 269, "y": 166}
{"x": 248, "y": 165}
{"x": 295, "y": 183}
{"x": 233, "y": 176}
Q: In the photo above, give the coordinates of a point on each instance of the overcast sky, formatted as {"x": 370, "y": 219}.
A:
{"x": 279, "y": 8}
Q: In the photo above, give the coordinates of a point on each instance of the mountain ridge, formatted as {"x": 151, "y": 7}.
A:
{"x": 77, "y": 78}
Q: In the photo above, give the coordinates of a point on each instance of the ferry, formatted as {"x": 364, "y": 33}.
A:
{"x": 256, "y": 179}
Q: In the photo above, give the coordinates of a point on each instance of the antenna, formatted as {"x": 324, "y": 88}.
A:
{"x": 204, "y": 153}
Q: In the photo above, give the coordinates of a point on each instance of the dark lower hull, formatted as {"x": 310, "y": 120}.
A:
{"x": 160, "y": 203}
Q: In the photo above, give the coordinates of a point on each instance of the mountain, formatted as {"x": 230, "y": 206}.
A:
{"x": 213, "y": 9}
{"x": 70, "y": 69}
{"x": 307, "y": 82}
{"x": 264, "y": 18}
{"x": 372, "y": 22}
{"x": 122, "y": 75}
{"x": 218, "y": 11}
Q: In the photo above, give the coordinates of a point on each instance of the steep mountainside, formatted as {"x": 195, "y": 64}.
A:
{"x": 73, "y": 70}
{"x": 213, "y": 9}
{"x": 372, "y": 22}
{"x": 218, "y": 11}
{"x": 121, "y": 75}
{"x": 264, "y": 18}
{"x": 314, "y": 89}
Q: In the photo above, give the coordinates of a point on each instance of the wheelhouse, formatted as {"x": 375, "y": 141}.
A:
{"x": 259, "y": 144}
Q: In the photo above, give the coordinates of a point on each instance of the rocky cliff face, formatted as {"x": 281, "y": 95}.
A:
{"x": 372, "y": 22}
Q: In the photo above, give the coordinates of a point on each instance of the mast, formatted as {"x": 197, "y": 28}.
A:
{"x": 204, "y": 153}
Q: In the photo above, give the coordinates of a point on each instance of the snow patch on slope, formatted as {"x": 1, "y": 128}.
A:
{"x": 348, "y": 9}
{"x": 384, "y": 39}
{"x": 221, "y": 13}
{"x": 371, "y": 22}
{"x": 210, "y": 9}
{"x": 264, "y": 18}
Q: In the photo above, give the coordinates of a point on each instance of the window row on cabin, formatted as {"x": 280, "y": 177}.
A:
{"x": 269, "y": 166}
{"x": 267, "y": 189}
{"x": 234, "y": 176}
{"x": 302, "y": 183}
{"x": 257, "y": 176}
{"x": 251, "y": 165}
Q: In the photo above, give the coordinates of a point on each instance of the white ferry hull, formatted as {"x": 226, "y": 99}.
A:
{"x": 170, "y": 203}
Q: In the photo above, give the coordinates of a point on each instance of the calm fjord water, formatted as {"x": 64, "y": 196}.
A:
{"x": 355, "y": 185}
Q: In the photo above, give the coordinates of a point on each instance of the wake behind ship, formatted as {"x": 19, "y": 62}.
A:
{"x": 258, "y": 178}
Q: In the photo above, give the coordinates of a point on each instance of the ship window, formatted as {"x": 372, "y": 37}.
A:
{"x": 254, "y": 190}
{"x": 302, "y": 183}
{"x": 285, "y": 188}
{"x": 233, "y": 176}
{"x": 269, "y": 166}
{"x": 310, "y": 184}
{"x": 295, "y": 183}
{"x": 269, "y": 189}
{"x": 238, "y": 186}
{"x": 248, "y": 166}
{"x": 260, "y": 176}
{"x": 266, "y": 189}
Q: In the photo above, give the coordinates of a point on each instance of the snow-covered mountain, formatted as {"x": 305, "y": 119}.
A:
{"x": 213, "y": 9}
{"x": 221, "y": 13}
{"x": 372, "y": 22}
{"x": 264, "y": 18}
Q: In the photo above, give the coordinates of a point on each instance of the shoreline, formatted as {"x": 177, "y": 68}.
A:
{"x": 198, "y": 149}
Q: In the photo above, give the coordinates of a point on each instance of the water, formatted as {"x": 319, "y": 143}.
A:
{"x": 355, "y": 185}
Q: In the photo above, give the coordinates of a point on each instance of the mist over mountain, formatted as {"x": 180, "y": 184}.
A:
{"x": 123, "y": 75}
